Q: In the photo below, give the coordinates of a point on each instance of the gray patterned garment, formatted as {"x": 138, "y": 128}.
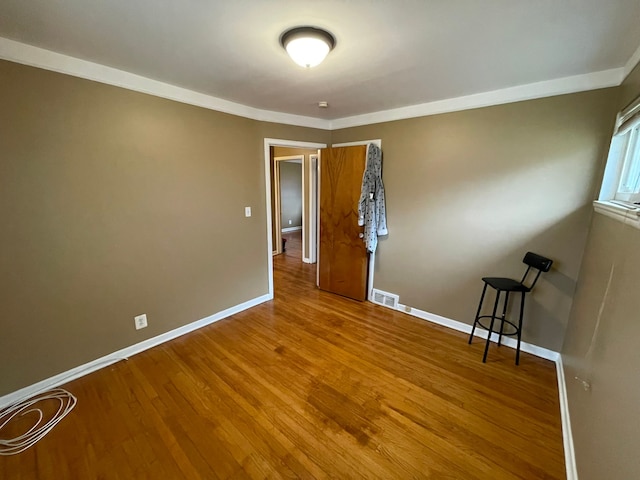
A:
{"x": 371, "y": 209}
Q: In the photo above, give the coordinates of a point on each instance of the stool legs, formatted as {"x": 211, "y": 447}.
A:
{"x": 520, "y": 327}
{"x": 475, "y": 322}
{"x": 493, "y": 318}
{"x": 502, "y": 320}
{"x": 504, "y": 315}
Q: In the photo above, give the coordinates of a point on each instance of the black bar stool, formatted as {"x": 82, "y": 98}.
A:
{"x": 533, "y": 261}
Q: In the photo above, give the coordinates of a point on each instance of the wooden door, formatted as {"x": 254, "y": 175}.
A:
{"x": 342, "y": 257}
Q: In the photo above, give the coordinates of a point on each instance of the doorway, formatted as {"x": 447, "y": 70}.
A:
{"x": 291, "y": 148}
{"x": 311, "y": 187}
{"x": 289, "y": 213}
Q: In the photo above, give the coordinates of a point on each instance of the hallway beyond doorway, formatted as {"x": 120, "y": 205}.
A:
{"x": 294, "y": 244}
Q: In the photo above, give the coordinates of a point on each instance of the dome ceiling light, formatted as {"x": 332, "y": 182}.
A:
{"x": 307, "y": 46}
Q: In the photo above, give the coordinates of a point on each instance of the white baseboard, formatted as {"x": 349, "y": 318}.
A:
{"x": 124, "y": 353}
{"x": 567, "y": 435}
{"x": 291, "y": 229}
{"x": 466, "y": 328}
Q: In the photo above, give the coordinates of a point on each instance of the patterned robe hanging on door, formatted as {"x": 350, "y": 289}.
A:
{"x": 371, "y": 208}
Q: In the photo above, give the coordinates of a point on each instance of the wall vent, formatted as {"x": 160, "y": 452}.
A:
{"x": 385, "y": 299}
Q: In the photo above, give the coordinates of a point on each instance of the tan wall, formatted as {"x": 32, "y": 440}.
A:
{"x": 116, "y": 203}
{"x": 468, "y": 193}
{"x": 604, "y": 420}
{"x": 291, "y": 194}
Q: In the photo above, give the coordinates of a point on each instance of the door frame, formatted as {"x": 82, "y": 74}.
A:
{"x": 314, "y": 218}
{"x": 278, "y": 200}
{"x": 268, "y": 143}
{"x": 372, "y": 258}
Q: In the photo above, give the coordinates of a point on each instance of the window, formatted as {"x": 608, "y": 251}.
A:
{"x": 620, "y": 192}
{"x": 629, "y": 186}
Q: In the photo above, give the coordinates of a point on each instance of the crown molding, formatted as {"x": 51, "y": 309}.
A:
{"x": 38, "y": 57}
{"x": 547, "y": 88}
{"x": 633, "y": 61}
{"x": 57, "y": 62}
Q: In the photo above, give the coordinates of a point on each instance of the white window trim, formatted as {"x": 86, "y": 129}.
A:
{"x": 607, "y": 204}
{"x": 625, "y": 215}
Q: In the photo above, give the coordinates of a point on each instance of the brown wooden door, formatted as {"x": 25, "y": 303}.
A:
{"x": 342, "y": 257}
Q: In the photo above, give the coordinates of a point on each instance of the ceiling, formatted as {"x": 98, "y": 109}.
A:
{"x": 389, "y": 54}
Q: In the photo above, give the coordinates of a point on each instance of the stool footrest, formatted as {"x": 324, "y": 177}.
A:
{"x": 500, "y": 319}
{"x": 515, "y": 330}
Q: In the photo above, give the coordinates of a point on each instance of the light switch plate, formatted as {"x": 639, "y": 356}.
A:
{"x": 247, "y": 211}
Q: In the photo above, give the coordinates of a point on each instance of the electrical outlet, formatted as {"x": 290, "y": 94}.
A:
{"x": 289, "y": 222}
{"x": 247, "y": 211}
{"x": 140, "y": 321}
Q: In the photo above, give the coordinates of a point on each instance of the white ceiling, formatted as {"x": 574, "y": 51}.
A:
{"x": 389, "y": 54}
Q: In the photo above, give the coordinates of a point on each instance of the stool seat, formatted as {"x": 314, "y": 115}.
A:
{"x": 507, "y": 286}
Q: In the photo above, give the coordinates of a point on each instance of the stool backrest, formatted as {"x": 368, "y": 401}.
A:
{"x": 536, "y": 262}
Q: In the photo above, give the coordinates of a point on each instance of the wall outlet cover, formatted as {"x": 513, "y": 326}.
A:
{"x": 140, "y": 321}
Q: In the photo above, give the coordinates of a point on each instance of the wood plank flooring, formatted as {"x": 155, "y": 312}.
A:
{"x": 310, "y": 385}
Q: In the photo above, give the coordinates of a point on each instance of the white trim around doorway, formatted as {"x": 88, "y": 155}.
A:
{"x": 299, "y": 159}
{"x": 268, "y": 143}
{"x": 312, "y": 194}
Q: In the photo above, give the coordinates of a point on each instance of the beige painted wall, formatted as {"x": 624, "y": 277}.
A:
{"x": 116, "y": 203}
{"x": 291, "y": 194}
{"x": 605, "y": 420}
{"x": 468, "y": 193}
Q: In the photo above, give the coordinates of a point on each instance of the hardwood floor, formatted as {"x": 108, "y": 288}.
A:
{"x": 293, "y": 246}
{"x": 310, "y": 385}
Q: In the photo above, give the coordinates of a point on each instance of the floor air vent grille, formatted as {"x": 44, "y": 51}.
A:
{"x": 385, "y": 299}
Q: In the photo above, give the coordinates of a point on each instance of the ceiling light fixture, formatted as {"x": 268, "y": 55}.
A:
{"x": 307, "y": 46}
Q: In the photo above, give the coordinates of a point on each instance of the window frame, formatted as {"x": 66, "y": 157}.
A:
{"x": 623, "y": 161}
{"x": 630, "y": 165}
